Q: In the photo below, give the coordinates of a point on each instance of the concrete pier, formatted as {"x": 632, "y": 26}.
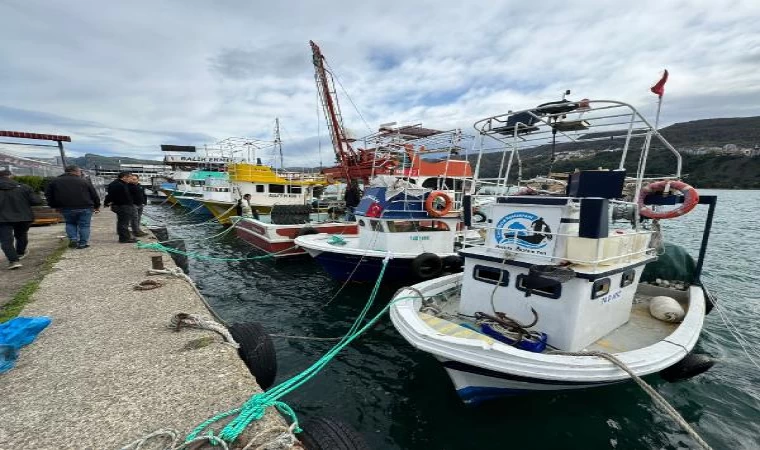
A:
{"x": 108, "y": 370}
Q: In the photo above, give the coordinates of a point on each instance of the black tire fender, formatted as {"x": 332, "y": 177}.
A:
{"x": 322, "y": 433}
{"x": 426, "y": 266}
{"x": 453, "y": 263}
{"x": 690, "y": 366}
{"x": 257, "y": 352}
{"x": 305, "y": 231}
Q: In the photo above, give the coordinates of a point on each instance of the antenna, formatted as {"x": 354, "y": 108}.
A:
{"x": 567, "y": 92}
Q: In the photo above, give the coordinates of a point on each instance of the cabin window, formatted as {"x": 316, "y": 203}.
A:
{"x": 259, "y": 188}
{"x": 600, "y": 288}
{"x": 376, "y": 225}
{"x": 295, "y": 189}
{"x": 402, "y": 226}
{"x": 491, "y": 275}
{"x": 543, "y": 287}
{"x": 628, "y": 277}
{"x": 276, "y": 188}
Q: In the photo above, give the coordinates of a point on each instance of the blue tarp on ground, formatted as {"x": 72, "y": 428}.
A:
{"x": 17, "y": 333}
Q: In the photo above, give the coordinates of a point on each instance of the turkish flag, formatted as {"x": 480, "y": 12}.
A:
{"x": 659, "y": 88}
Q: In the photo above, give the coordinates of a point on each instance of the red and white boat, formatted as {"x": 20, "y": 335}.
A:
{"x": 276, "y": 236}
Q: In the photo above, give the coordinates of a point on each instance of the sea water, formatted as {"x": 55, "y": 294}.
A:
{"x": 401, "y": 398}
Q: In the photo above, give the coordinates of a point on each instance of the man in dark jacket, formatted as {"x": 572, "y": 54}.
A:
{"x": 76, "y": 199}
{"x": 122, "y": 204}
{"x": 140, "y": 200}
{"x": 352, "y": 196}
{"x": 16, "y": 201}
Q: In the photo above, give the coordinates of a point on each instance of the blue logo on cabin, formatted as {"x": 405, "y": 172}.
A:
{"x": 523, "y": 229}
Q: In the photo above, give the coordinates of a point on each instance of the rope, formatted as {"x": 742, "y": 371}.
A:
{"x": 157, "y": 246}
{"x": 255, "y": 408}
{"x": 285, "y": 439}
{"x": 177, "y": 272}
{"x": 180, "y": 320}
{"x": 656, "y": 397}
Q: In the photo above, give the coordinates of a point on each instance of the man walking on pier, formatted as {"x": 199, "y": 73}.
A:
{"x": 16, "y": 201}
{"x": 76, "y": 199}
{"x": 121, "y": 202}
{"x": 138, "y": 197}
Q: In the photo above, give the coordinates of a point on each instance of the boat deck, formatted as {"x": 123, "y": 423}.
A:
{"x": 640, "y": 331}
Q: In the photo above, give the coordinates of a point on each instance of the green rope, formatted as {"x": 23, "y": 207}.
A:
{"x": 336, "y": 240}
{"x": 157, "y": 246}
{"x": 256, "y": 406}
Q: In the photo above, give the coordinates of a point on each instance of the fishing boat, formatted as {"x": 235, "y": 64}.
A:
{"x": 275, "y": 233}
{"x": 189, "y": 190}
{"x": 558, "y": 281}
{"x": 414, "y": 227}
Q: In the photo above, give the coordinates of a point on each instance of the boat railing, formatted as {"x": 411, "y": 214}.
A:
{"x": 571, "y": 126}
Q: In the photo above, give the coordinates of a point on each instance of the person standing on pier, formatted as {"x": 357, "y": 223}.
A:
{"x": 76, "y": 199}
{"x": 138, "y": 197}
{"x": 16, "y": 201}
{"x": 352, "y": 196}
{"x": 121, "y": 202}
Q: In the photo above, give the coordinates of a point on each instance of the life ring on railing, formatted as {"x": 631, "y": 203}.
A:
{"x": 691, "y": 198}
{"x": 430, "y": 204}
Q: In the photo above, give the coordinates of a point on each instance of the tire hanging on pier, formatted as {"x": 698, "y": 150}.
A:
{"x": 427, "y": 265}
{"x": 322, "y": 433}
{"x": 257, "y": 352}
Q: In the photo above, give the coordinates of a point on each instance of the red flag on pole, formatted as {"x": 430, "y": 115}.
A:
{"x": 659, "y": 88}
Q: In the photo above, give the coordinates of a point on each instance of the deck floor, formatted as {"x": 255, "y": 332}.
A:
{"x": 640, "y": 331}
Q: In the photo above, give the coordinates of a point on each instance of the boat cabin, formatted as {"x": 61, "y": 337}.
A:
{"x": 405, "y": 220}
{"x": 557, "y": 256}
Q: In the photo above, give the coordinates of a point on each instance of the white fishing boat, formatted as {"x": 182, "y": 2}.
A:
{"x": 558, "y": 281}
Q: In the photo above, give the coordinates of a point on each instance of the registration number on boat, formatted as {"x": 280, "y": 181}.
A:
{"x": 419, "y": 238}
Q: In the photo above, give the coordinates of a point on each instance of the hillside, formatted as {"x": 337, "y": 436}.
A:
{"x": 702, "y": 170}
{"x": 91, "y": 161}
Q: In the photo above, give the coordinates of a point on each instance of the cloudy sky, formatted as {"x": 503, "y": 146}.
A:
{"x": 124, "y": 77}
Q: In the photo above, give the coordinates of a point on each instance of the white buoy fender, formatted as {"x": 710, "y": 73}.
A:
{"x": 666, "y": 309}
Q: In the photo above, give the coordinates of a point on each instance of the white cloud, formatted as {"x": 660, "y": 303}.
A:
{"x": 122, "y": 78}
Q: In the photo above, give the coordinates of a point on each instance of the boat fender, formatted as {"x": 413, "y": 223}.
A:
{"x": 666, "y": 309}
{"x": 479, "y": 217}
{"x": 257, "y": 352}
{"x": 305, "y": 231}
{"x": 690, "y": 366}
{"x": 430, "y": 204}
{"x": 427, "y": 265}
{"x": 322, "y": 433}
{"x": 691, "y": 199}
{"x": 453, "y": 263}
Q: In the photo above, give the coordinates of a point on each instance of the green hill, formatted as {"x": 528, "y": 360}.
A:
{"x": 705, "y": 171}
{"x": 91, "y": 161}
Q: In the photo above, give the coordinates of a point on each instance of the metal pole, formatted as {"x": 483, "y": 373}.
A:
{"x": 657, "y": 117}
{"x": 711, "y": 200}
{"x": 63, "y": 154}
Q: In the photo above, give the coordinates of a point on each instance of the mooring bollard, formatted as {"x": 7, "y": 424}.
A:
{"x": 157, "y": 262}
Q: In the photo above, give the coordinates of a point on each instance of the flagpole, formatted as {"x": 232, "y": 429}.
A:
{"x": 657, "y": 117}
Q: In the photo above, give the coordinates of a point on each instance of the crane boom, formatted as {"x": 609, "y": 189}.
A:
{"x": 345, "y": 154}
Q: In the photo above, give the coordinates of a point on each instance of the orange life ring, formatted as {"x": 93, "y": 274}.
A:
{"x": 691, "y": 198}
{"x": 430, "y": 202}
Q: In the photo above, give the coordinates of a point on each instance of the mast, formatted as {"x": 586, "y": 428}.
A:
{"x": 327, "y": 93}
{"x": 278, "y": 141}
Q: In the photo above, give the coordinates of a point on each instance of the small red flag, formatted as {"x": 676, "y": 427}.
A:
{"x": 659, "y": 88}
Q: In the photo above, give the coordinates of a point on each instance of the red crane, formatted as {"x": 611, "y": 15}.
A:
{"x": 352, "y": 163}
